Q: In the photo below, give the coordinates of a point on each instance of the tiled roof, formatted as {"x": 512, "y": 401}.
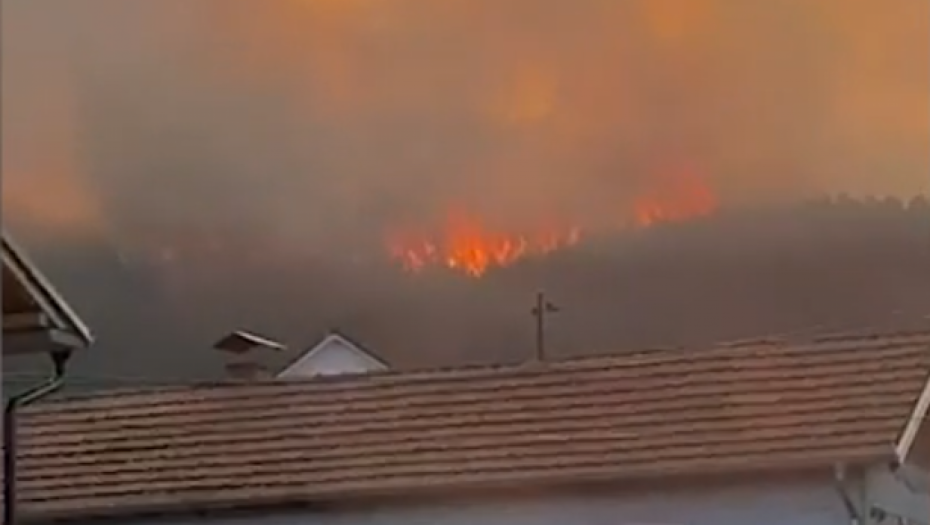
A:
{"x": 664, "y": 413}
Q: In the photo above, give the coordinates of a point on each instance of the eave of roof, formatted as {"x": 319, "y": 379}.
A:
{"x": 240, "y": 341}
{"x": 724, "y": 410}
{"x": 420, "y": 489}
{"x": 57, "y": 316}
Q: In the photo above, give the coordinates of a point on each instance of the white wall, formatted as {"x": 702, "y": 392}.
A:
{"x": 798, "y": 505}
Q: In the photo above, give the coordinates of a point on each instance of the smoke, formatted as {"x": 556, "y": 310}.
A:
{"x": 319, "y": 123}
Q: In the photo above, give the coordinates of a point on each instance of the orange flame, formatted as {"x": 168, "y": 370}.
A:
{"x": 466, "y": 244}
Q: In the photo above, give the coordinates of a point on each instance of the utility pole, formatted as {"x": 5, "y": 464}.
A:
{"x": 543, "y": 307}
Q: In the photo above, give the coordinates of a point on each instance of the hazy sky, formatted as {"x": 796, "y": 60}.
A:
{"x": 328, "y": 121}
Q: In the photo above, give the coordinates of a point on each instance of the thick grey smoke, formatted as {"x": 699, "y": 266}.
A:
{"x": 327, "y": 121}
{"x": 246, "y": 146}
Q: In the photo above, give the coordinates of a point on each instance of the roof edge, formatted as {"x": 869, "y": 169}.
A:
{"x": 291, "y": 497}
{"x": 336, "y": 333}
{"x": 916, "y": 420}
{"x": 43, "y": 292}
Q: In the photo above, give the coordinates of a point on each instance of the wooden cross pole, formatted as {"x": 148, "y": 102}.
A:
{"x": 543, "y": 307}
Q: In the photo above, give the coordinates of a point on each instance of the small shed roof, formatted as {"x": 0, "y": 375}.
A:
{"x": 35, "y": 315}
{"x": 242, "y": 341}
{"x": 748, "y": 408}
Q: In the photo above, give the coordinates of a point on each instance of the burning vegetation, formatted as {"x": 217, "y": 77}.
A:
{"x": 467, "y": 244}
{"x": 283, "y": 164}
{"x": 461, "y": 134}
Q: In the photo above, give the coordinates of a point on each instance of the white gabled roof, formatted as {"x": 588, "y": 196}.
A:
{"x": 333, "y": 338}
{"x": 46, "y": 309}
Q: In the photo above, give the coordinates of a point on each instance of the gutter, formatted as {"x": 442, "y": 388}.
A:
{"x": 31, "y": 395}
{"x": 842, "y": 488}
